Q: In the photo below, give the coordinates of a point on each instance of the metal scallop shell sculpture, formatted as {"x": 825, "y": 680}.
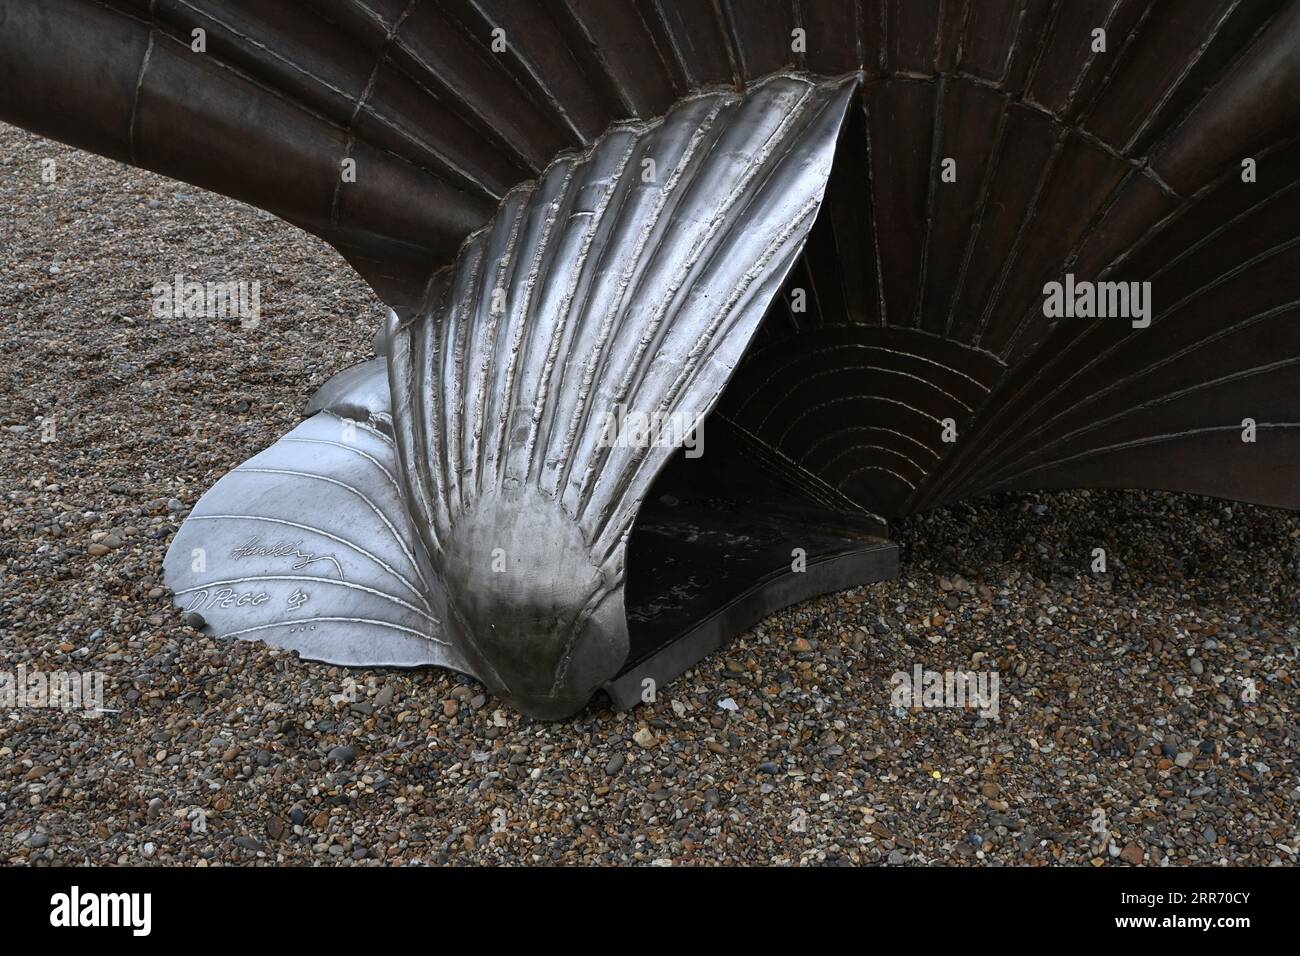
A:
{"x": 886, "y": 255}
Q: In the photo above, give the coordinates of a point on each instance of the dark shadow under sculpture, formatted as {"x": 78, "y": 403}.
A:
{"x": 822, "y": 231}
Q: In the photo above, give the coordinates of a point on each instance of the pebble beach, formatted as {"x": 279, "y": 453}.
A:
{"x": 1147, "y": 712}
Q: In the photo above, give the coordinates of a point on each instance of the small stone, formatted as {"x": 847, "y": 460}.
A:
{"x": 1184, "y": 759}
{"x": 615, "y": 764}
{"x": 343, "y": 754}
{"x": 1197, "y": 667}
{"x": 645, "y": 737}
{"x": 450, "y": 708}
{"x": 38, "y": 841}
{"x": 97, "y": 550}
{"x": 1132, "y": 854}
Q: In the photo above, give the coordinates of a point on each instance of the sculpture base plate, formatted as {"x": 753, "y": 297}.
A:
{"x": 701, "y": 571}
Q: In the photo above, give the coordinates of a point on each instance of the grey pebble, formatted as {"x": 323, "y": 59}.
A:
{"x": 343, "y": 754}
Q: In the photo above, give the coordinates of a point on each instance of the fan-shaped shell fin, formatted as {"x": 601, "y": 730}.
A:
{"x": 623, "y": 286}
{"x": 626, "y": 280}
{"x": 308, "y": 545}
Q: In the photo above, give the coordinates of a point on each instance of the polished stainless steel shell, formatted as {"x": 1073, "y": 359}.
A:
{"x": 483, "y": 507}
{"x": 985, "y": 149}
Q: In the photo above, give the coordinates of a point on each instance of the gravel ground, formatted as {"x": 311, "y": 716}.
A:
{"x": 1122, "y": 735}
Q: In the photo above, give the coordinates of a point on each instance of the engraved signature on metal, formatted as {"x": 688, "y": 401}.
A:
{"x": 253, "y": 548}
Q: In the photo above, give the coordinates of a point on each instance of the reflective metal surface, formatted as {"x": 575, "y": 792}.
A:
{"x": 909, "y": 358}
{"x": 626, "y": 282}
{"x": 308, "y": 545}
